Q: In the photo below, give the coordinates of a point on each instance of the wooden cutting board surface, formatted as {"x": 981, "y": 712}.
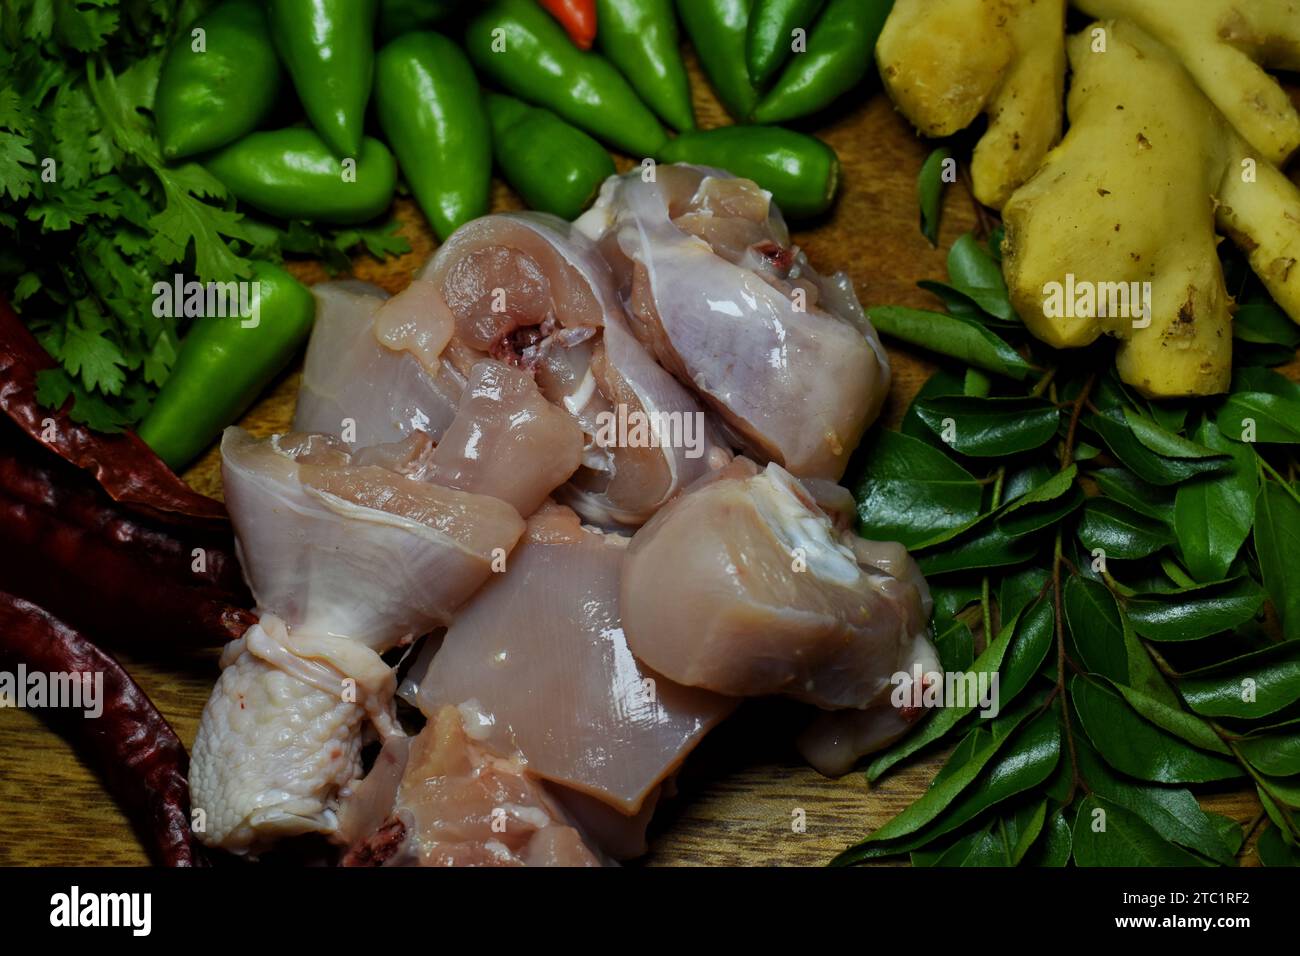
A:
{"x": 743, "y": 790}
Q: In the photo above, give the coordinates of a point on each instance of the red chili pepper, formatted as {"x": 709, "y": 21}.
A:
{"x": 122, "y": 464}
{"x": 143, "y": 761}
{"x": 578, "y": 17}
{"x": 126, "y": 577}
{"x": 98, "y": 530}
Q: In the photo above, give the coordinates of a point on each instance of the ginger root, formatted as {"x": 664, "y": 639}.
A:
{"x": 1132, "y": 195}
{"x": 1225, "y": 44}
{"x": 944, "y": 62}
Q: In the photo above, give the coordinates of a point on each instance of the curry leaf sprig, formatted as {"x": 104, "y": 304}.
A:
{"x": 1127, "y": 567}
{"x": 90, "y": 215}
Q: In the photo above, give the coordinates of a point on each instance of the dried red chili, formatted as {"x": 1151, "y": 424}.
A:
{"x": 121, "y": 464}
{"x": 67, "y": 546}
{"x": 98, "y": 530}
{"x": 140, "y": 756}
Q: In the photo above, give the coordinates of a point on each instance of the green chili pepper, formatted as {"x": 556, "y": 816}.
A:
{"x": 210, "y": 96}
{"x": 800, "y": 171}
{"x": 717, "y": 30}
{"x": 402, "y": 16}
{"x": 771, "y": 28}
{"x": 554, "y": 167}
{"x": 520, "y": 46}
{"x": 225, "y": 361}
{"x": 640, "y": 37}
{"x": 431, "y": 109}
{"x": 292, "y": 174}
{"x": 839, "y": 54}
{"x": 329, "y": 49}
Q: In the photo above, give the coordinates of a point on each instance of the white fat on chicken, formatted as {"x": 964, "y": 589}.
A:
{"x": 529, "y": 290}
{"x": 373, "y": 373}
{"x": 744, "y": 586}
{"x": 705, "y": 268}
{"x": 541, "y": 653}
{"x": 345, "y": 561}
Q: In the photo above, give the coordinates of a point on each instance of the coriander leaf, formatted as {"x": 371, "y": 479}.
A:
{"x": 98, "y": 361}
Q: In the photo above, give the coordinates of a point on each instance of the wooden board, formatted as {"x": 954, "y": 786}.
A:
{"x": 742, "y": 791}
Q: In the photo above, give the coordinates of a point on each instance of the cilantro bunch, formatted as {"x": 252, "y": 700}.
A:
{"x": 90, "y": 215}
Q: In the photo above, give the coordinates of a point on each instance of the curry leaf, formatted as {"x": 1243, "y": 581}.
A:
{"x": 929, "y": 188}
{"x": 1192, "y": 613}
{"x": 1149, "y": 466}
{"x": 1260, "y": 416}
{"x": 910, "y": 492}
{"x": 946, "y": 718}
{"x": 1251, "y": 686}
{"x": 1106, "y": 834}
{"x": 947, "y": 787}
{"x": 1128, "y": 489}
{"x": 951, "y": 335}
{"x": 1134, "y": 746}
{"x": 1171, "y": 811}
{"x": 973, "y": 271}
{"x": 1213, "y": 515}
{"x": 1277, "y": 542}
{"x": 1119, "y": 531}
{"x": 990, "y": 427}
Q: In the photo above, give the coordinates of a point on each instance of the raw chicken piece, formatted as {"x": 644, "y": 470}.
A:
{"x": 507, "y": 440}
{"x": 461, "y": 804}
{"x": 744, "y": 587}
{"x": 619, "y": 836}
{"x": 374, "y": 362}
{"x": 716, "y": 291}
{"x": 837, "y": 739}
{"x": 345, "y": 561}
{"x": 541, "y": 652}
{"x": 527, "y": 289}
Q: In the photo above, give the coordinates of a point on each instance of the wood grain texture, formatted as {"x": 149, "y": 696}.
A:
{"x": 741, "y": 790}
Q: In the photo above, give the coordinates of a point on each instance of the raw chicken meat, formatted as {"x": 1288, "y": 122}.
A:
{"x": 612, "y": 364}
{"x": 507, "y": 440}
{"x": 527, "y": 289}
{"x": 345, "y": 561}
{"x": 460, "y": 804}
{"x": 714, "y": 288}
{"x": 744, "y": 586}
{"x": 541, "y": 653}
{"x": 372, "y": 373}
